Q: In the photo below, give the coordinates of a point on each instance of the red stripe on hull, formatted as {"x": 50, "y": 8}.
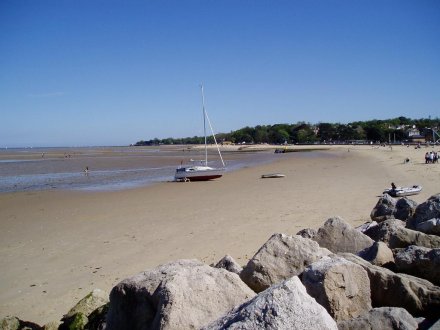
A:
{"x": 204, "y": 178}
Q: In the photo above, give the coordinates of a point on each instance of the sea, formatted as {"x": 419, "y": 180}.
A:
{"x": 109, "y": 168}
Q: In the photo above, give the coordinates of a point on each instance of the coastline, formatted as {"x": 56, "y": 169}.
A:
{"x": 59, "y": 245}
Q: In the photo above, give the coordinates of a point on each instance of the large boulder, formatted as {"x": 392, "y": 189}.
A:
{"x": 185, "y": 294}
{"x": 382, "y": 318}
{"x": 378, "y": 254}
{"x": 338, "y": 236}
{"x": 431, "y": 227}
{"x": 281, "y": 257}
{"x": 228, "y": 263}
{"x": 339, "y": 285}
{"x": 388, "y": 207}
{"x": 405, "y": 208}
{"x": 384, "y": 209}
{"x": 418, "y": 296}
{"x": 395, "y": 235}
{"x": 282, "y": 306}
{"x": 425, "y": 211}
{"x": 419, "y": 261}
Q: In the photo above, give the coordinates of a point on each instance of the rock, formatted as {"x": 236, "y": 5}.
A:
{"x": 10, "y": 323}
{"x": 14, "y": 323}
{"x": 339, "y": 285}
{"x": 77, "y": 321}
{"x": 97, "y": 319}
{"x": 381, "y": 231}
{"x": 282, "y": 306}
{"x": 405, "y": 208}
{"x": 380, "y": 319}
{"x": 78, "y": 316}
{"x": 433, "y": 326}
{"x": 281, "y": 257}
{"x": 89, "y": 303}
{"x": 307, "y": 233}
{"x": 185, "y": 294}
{"x": 431, "y": 227}
{"x": 419, "y": 261}
{"x": 395, "y": 235}
{"x": 378, "y": 254}
{"x": 418, "y": 296}
{"x": 384, "y": 209}
{"x": 367, "y": 225}
{"x": 425, "y": 211}
{"x": 338, "y": 236}
{"x": 53, "y": 325}
{"x": 228, "y": 263}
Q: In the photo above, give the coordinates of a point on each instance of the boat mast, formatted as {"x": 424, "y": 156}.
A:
{"x": 204, "y": 125}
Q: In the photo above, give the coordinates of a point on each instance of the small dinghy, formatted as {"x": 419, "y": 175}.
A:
{"x": 402, "y": 191}
{"x": 272, "y": 175}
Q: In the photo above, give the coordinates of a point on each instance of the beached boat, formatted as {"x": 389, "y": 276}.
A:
{"x": 201, "y": 172}
{"x": 403, "y": 191}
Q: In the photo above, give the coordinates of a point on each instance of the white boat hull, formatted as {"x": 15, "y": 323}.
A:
{"x": 198, "y": 173}
{"x": 403, "y": 191}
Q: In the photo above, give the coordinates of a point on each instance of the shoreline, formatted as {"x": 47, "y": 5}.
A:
{"x": 59, "y": 245}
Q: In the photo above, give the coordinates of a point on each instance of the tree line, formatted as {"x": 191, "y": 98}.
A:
{"x": 394, "y": 130}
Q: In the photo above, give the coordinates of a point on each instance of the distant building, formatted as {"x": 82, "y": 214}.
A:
{"x": 414, "y": 135}
{"x": 413, "y": 132}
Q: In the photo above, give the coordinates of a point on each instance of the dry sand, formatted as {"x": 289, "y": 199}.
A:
{"x": 56, "y": 246}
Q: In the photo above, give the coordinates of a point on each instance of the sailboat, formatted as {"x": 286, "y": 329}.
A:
{"x": 201, "y": 172}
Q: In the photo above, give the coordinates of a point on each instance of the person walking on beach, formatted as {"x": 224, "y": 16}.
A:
{"x": 86, "y": 171}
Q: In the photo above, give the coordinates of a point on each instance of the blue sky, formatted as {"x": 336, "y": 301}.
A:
{"x": 78, "y": 73}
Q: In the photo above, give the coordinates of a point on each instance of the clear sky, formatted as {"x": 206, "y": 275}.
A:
{"x": 92, "y": 72}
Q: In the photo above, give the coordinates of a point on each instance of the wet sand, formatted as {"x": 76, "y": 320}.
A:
{"x": 56, "y": 246}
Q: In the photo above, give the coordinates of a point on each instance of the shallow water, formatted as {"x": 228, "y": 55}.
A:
{"x": 110, "y": 168}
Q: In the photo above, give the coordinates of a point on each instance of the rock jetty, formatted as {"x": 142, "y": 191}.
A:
{"x": 381, "y": 275}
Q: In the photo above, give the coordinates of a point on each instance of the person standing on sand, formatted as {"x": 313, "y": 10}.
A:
{"x": 86, "y": 171}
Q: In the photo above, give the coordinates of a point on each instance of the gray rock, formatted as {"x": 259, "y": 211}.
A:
{"x": 78, "y": 316}
{"x": 185, "y": 294}
{"x": 382, "y": 318}
{"x": 431, "y": 227}
{"x": 338, "y": 236}
{"x": 384, "y": 209}
{"x": 405, "y": 208}
{"x": 339, "y": 285}
{"x": 77, "y": 321}
{"x": 378, "y": 254}
{"x": 395, "y": 235}
{"x": 14, "y": 323}
{"x": 281, "y": 257}
{"x": 364, "y": 227}
{"x": 418, "y": 296}
{"x": 307, "y": 233}
{"x": 282, "y": 306}
{"x": 434, "y": 326}
{"x": 425, "y": 211}
{"x": 89, "y": 303}
{"x": 54, "y": 325}
{"x": 419, "y": 261}
{"x": 10, "y": 323}
{"x": 228, "y": 263}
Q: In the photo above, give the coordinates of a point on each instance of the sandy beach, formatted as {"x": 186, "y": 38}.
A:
{"x": 56, "y": 246}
